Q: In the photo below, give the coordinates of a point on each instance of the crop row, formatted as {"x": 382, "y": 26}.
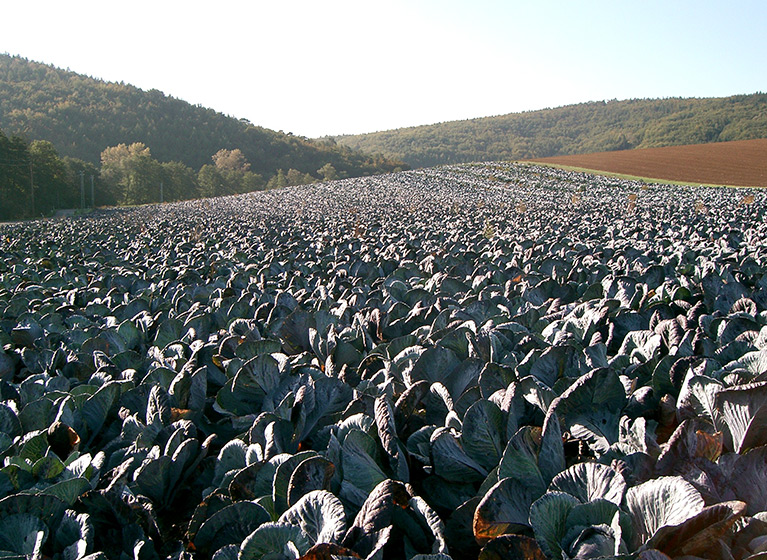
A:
{"x": 488, "y": 360}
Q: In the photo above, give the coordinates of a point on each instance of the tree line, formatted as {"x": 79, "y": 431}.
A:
{"x": 36, "y": 181}
{"x": 598, "y": 126}
{"x": 82, "y": 116}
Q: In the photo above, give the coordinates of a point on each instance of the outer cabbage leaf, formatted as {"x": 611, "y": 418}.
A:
{"x": 376, "y": 513}
{"x": 230, "y": 525}
{"x": 548, "y": 518}
{"x": 700, "y": 535}
{"x": 232, "y": 457}
{"x": 95, "y": 409}
{"x": 9, "y": 421}
{"x": 668, "y": 500}
{"x": 282, "y": 478}
{"x": 652, "y": 554}
{"x": 596, "y": 529}
{"x": 387, "y": 433}
{"x": 433, "y": 365}
{"x": 504, "y": 509}
{"x": 427, "y": 515}
{"x": 314, "y": 473}
{"x": 320, "y": 515}
{"x": 451, "y": 461}
{"x": 158, "y": 407}
{"x": 534, "y": 456}
{"x": 465, "y": 376}
{"x": 748, "y": 479}
{"x": 327, "y": 551}
{"x": 689, "y": 443}
{"x": 47, "y": 508}
{"x": 512, "y": 546}
{"x": 641, "y": 346}
{"x": 590, "y": 481}
{"x": 520, "y": 459}
{"x": 329, "y": 396}
{"x": 246, "y": 484}
{"x": 247, "y": 391}
{"x": 596, "y": 541}
{"x": 153, "y": 479}
{"x": 75, "y": 536}
{"x": 22, "y": 534}
{"x": 360, "y": 468}
{"x": 744, "y": 410}
{"x": 483, "y": 433}
{"x": 190, "y": 390}
{"x": 697, "y": 398}
{"x": 388, "y": 512}
{"x": 590, "y": 409}
{"x": 294, "y": 331}
{"x": 229, "y": 552}
{"x": 459, "y": 531}
{"x": 274, "y": 540}
{"x": 68, "y": 490}
{"x": 534, "y": 391}
{"x": 755, "y": 362}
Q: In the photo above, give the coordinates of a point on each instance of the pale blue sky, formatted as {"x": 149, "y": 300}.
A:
{"x": 348, "y": 66}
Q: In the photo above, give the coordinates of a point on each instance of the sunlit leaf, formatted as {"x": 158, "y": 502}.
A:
{"x": 320, "y": 515}
{"x": 590, "y": 481}
{"x": 661, "y": 502}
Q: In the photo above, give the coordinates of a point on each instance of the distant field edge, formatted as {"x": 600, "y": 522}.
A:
{"x": 741, "y": 163}
{"x": 628, "y": 177}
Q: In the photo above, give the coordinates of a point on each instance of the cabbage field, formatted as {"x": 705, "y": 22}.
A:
{"x": 490, "y": 361}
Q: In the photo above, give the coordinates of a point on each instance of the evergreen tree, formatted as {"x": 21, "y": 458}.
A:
{"x": 15, "y": 192}
{"x": 52, "y": 188}
{"x": 211, "y": 181}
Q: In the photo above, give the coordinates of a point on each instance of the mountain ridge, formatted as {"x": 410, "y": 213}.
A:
{"x": 81, "y": 116}
{"x": 594, "y": 126}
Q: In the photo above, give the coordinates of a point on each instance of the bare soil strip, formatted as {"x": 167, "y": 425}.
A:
{"x": 738, "y": 163}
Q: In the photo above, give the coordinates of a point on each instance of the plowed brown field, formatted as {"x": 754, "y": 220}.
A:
{"x": 739, "y": 163}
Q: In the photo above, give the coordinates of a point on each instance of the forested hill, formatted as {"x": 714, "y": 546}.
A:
{"x": 82, "y": 116}
{"x": 582, "y": 128}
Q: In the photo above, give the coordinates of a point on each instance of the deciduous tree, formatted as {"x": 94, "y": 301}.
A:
{"x": 328, "y": 172}
{"x": 133, "y": 172}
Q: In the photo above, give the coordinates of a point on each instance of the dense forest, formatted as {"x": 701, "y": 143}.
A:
{"x": 34, "y": 180}
{"x": 574, "y": 129}
{"x": 192, "y": 150}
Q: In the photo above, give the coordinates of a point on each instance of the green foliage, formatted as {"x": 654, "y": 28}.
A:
{"x": 179, "y": 181}
{"x": 211, "y": 181}
{"x": 35, "y": 181}
{"x": 328, "y": 172}
{"x": 587, "y": 127}
{"x": 50, "y": 176}
{"x": 132, "y": 171}
{"x": 14, "y": 177}
{"x": 83, "y": 116}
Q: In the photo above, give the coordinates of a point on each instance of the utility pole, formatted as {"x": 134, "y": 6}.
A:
{"x": 32, "y": 188}
{"x": 93, "y": 198}
{"x": 82, "y": 190}
{"x": 161, "y": 200}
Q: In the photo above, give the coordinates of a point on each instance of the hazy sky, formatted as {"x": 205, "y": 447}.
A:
{"x": 320, "y": 67}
